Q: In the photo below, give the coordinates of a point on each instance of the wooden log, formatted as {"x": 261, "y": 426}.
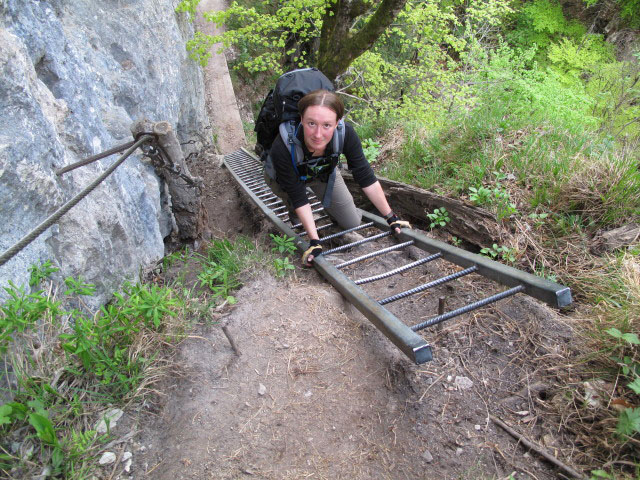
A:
{"x": 472, "y": 224}
{"x": 186, "y": 203}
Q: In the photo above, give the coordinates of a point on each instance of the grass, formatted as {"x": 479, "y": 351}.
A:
{"x": 65, "y": 365}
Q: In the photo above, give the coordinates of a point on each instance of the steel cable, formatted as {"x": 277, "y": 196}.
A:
{"x": 31, "y": 236}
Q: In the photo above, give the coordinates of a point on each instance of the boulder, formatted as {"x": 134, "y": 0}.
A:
{"x": 75, "y": 75}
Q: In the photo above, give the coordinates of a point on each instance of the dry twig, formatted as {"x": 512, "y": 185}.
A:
{"x": 539, "y": 450}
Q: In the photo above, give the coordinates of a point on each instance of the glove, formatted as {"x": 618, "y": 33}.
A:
{"x": 314, "y": 249}
{"x": 394, "y": 222}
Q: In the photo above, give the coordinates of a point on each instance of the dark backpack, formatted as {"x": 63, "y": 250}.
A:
{"x": 279, "y": 115}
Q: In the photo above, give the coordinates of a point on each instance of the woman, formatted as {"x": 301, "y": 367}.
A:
{"x": 320, "y": 112}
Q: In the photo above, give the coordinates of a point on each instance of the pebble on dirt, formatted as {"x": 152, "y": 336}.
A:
{"x": 262, "y": 389}
{"x": 463, "y": 383}
{"x": 427, "y": 456}
{"x": 107, "y": 458}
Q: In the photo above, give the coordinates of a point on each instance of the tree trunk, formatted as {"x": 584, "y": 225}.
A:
{"x": 338, "y": 45}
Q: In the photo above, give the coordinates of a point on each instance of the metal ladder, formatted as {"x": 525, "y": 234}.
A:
{"x": 247, "y": 171}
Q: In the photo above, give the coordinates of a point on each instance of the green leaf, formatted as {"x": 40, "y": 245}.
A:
{"x": 631, "y": 338}
{"x": 44, "y": 428}
{"x": 57, "y": 457}
{"x": 5, "y": 412}
{"x": 614, "y": 332}
{"x": 38, "y": 407}
{"x": 629, "y": 421}
{"x": 600, "y": 474}
{"x": 635, "y": 385}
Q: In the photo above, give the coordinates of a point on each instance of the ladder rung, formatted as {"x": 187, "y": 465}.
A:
{"x": 426, "y": 286}
{"x": 468, "y": 308}
{"x": 344, "y": 232}
{"x": 395, "y": 271}
{"x": 359, "y": 242}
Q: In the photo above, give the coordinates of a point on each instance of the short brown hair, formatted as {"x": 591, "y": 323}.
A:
{"x": 323, "y": 98}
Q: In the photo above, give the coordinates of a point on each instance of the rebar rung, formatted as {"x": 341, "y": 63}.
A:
{"x": 392, "y": 248}
{"x": 344, "y": 232}
{"x": 320, "y": 228}
{"x": 468, "y": 308}
{"x": 359, "y": 242}
{"x": 395, "y": 271}
{"x": 298, "y": 225}
{"x": 426, "y": 286}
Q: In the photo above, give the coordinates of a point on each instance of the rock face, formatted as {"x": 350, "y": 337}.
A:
{"x": 75, "y": 74}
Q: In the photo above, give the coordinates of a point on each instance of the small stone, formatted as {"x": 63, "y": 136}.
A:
{"x": 459, "y": 451}
{"x": 477, "y": 427}
{"x": 107, "y": 458}
{"x": 449, "y": 378}
{"x": 308, "y": 393}
{"x": 126, "y": 456}
{"x": 463, "y": 383}
{"x": 262, "y": 389}
{"x": 426, "y": 455}
{"x": 127, "y": 465}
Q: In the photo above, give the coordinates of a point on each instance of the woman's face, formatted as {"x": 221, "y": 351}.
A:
{"x": 318, "y": 123}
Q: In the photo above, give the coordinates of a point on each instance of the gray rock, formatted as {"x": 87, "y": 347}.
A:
{"x": 426, "y": 455}
{"x": 74, "y": 75}
{"x": 463, "y": 383}
{"x": 107, "y": 458}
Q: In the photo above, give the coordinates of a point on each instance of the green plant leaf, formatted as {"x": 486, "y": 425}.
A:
{"x": 614, "y": 332}
{"x": 631, "y": 338}
{"x": 44, "y": 428}
{"x": 629, "y": 421}
{"x": 5, "y": 412}
{"x": 635, "y": 385}
{"x": 57, "y": 457}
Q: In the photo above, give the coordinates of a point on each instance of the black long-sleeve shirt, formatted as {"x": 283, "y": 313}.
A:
{"x": 290, "y": 182}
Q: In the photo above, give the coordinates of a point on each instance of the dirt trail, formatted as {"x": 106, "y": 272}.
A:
{"x": 295, "y": 383}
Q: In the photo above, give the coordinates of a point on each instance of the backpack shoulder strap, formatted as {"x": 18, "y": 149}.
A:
{"x": 288, "y": 133}
{"x": 338, "y": 137}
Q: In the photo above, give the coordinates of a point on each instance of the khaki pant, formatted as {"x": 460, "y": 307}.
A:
{"x": 342, "y": 210}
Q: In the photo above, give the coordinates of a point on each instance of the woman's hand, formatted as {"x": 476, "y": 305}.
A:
{"x": 314, "y": 250}
{"x": 396, "y": 225}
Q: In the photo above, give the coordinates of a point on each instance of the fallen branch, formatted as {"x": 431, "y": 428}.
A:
{"x": 537, "y": 449}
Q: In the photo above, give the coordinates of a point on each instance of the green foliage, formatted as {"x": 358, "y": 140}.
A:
{"x": 496, "y": 252}
{"x": 439, "y": 218}
{"x": 263, "y": 34}
{"x": 41, "y": 272}
{"x": 78, "y": 287}
{"x": 189, "y": 7}
{"x": 106, "y": 357}
{"x": 629, "y": 361}
{"x": 371, "y": 149}
{"x": 615, "y": 88}
{"x": 283, "y": 243}
{"x": 282, "y": 266}
{"x": 480, "y": 195}
{"x": 223, "y": 264}
{"x": 22, "y": 311}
